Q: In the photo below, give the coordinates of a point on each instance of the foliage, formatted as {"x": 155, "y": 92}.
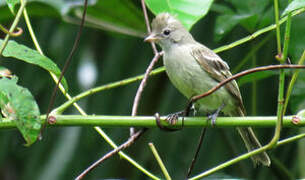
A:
{"x": 18, "y": 104}
{"x": 112, "y": 50}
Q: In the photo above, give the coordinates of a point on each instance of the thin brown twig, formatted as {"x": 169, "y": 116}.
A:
{"x": 13, "y": 34}
{"x": 153, "y": 45}
{"x": 243, "y": 73}
{"x": 202, "y": 134}
{"x": 123, "y": 146}
{"x": 134, "y": 136}
{"x": 69, "y": 58}
{"x": 148, "y": 70}
{"x": 143, "y": 83}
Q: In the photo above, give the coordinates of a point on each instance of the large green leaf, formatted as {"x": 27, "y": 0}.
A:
{"x": 294, "y": 5}
{"x": 28, "y": 55}
{"x": 247, "y": 13}
{"x": 60, "y": 5}
{"x": 125, "y": 19}
{"x": 225, "y": 23}
{"x": 187, "y": 11}
{"x": 18, "y": 104}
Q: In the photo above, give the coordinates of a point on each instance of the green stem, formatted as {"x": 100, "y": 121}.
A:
{"x": 282, "y": 170}
{"x": 159, "y": 160}
{"x": 150, "y": 121}
{"x": 254, "y": 88}
{"x": 292, "y": 82}
{"x": 28, "y": 23}
{"x": 286, "y": 38}
{"x": 278, "y": 33}
{"x": 92, "y": 91}
{"x": 245, "y": 156}
{"x": 13, "y": 34}
{"x": 251, "y": 53}
{"x": 123, "y": 155}
{"x": 283, "y": 59}
{"x": 280, "y": 106}
{"x": 257, "y": 33}
{"x": 12, "y": 28}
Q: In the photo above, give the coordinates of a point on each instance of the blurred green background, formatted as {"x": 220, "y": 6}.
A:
{"x": 112, "y": 49}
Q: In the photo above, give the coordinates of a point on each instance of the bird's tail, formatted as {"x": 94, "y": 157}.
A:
{"x": 252, "y": 143}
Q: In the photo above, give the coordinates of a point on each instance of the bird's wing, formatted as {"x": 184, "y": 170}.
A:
{"x": 217, "y": 69}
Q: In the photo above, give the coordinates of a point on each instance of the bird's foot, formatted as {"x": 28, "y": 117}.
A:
{"x": 213, "y": 117}
{"x": 171, "y": 119}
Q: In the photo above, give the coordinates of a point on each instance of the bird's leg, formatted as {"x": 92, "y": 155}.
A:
{"x": 172, "y": 119}
{"x": 288, "y": 60}
{"x": 213, "y": 117}
{"x": 164, "y": 128}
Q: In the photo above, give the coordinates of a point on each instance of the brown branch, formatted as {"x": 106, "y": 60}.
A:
{"x": 243, "y": 73}
{"x": 13, "y": 34}
{"x": 202, "y": 134}
{"x": 134, "y": 136}
{"x": 143, "y": 83}
{"x": 153, "y": 45}
{"x": 148, "y": 70}
{"x": 68, "y": 60}
{"x": 123, "y": 146}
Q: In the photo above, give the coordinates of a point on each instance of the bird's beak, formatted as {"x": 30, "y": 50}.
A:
{"x": 151, "y": 38}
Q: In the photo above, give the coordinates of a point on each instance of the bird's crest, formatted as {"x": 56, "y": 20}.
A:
{"x": 163, "y": 20}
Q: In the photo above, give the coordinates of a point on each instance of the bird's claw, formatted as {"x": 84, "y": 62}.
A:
{"x": 213, "y": 117}
{"x": 172, "y": 119}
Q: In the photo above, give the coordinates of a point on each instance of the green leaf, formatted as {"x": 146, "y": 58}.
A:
{"x": 125, "y": 19}
{"x": 188, "y": 12}
{"x": 247, "y": 13}
{"x": 44, "y": 8}
{"x": 17, "y": 103}
{"x": 23, "y": 53}
{"x": 60, "y": 5}
{"x": 249, "y": 6}
{"x": 225, "y": 23}
{"x": 294, "y": 5}
{"x": 11, "y": 4}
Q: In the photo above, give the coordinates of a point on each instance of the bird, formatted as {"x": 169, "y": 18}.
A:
{"x": 194, "y": 69}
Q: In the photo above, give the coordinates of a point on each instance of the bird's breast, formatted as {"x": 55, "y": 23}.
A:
{"x": 191, "y": 79}
{"x": 185, "y": 73}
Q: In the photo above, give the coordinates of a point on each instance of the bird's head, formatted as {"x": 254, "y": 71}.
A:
{"x": 167, "y": 30}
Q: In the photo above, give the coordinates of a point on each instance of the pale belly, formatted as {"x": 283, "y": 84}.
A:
{"x": 190, "y": 79}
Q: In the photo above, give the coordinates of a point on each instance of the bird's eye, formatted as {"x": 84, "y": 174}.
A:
{"x": 166, "y": 32}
